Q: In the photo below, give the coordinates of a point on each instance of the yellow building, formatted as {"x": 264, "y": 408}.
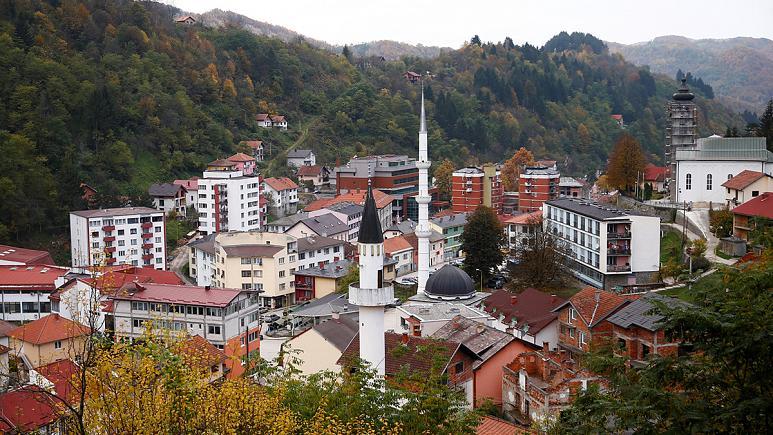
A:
{"x": 319, "y": 347}
{"x": 48, "y": 339}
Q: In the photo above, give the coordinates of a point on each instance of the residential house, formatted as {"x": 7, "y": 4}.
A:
{"x": 318, "y": 281}
{"x": 199, "y": 353}
{"x": 637, "y": 331}
{"x": 326, "y": 225}
{"x": 319, "y": 347}
{"x": 258, "y": 149}
{"x": 745, "y": 186}
{"x": 279, "y": 121}
{"x": 496, "y": 426}
{"x": 618, "y": 119}
{"x": 185, "y": 20}
{"x": 48, "y": 339}
{"x": 527, "y": 315}
{"x": 537, "y": 385}
{"x": 473, "y": 187}
{"x": 383, "y": 203}
{"x": 263, "y": 120}
{"x": 15, "y": 256}
{"x": 401, "y": 228}
{"x": 317, "y": 175}
{"x": 169, "y": 197}
{"x": 5, "y": 328}
{"x": 299, "y": 158}
{"x": 246, "y": 164}
{"x": 316, "y": 251}
{"x": 436, "y": 249}
{"x": 113, "y": 236}
{"x": 412, "y": 76}
{"x": 191, "y": 187}
{"x": 655, "y": 176}
{"x": 25, "y": 290}
{"x": 283, "y": 224}
{"x": 399, "y": 248}
{"x": 348, "y": 213}
{"x": 30, "y": 409}
{"x": 521, "y": 229}
{"x": 751, "y": 214}
{"x": 325, "y": 308}
{"x": 228, "y": 199}
{"x": 491, "y": 350}
{"x": 582, "y": 318}
{"x": 283, "y": 193}
{"x": 451, "y": 227}
{"x": 423, "y": 320}
{"x": 573, "y": 187}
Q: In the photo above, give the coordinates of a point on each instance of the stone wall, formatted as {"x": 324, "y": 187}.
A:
{"x": 666, "y": 214}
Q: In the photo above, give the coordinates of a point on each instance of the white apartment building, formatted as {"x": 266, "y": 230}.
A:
{"x": 201, "y": 259}
{"x": 283, "y": 193}
{"x": 25, "y": 291}
{"x": 112, "y": 236}
{"x": 348, "y": 213}
{"x": 228, "y": 200}
{"x": 217, "y": 314}
{"x": 316, "y": 250}
{"x": 607, "y": 247}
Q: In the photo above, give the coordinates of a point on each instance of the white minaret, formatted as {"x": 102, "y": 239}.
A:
{"x": 423, "y": 199}
{"x": 371, "y": 294}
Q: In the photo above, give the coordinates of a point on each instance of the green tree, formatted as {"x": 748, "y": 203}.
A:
{"x": 475, "y": 40}
{"x": 443, "y": 176}
{"x": 626, "y": 162}
{"x": 482, "y": 242}
{"x": 347, "y": 53}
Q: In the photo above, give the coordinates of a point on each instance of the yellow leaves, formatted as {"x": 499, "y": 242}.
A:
{"x": 212, "y": 73}
{"x": 228, "y": 88}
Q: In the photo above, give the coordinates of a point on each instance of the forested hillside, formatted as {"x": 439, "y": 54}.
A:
{"x": 115, "y": 94}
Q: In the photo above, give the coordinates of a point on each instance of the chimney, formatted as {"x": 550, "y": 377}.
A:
{"x": 513, "y": 300}
{"x": 597, "y": 295}
{"x": 480, "y": 329}
{"x": 404, "y": 339}
{"x": 207, "y": 287}
{"x": 545, "y": 348}
{"x": 336, "y": 316}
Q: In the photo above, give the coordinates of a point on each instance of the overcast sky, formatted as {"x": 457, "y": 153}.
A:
{"x": 451, "y": 22}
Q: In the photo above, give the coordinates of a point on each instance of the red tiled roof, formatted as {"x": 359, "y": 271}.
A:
{"x": 190, "y": 184}
{"x": 178, "y": 294}
{"x": 309, "y": 171}
{"x": 254, "y": 144}
{"x": 24, "y": 255}
{"x": 241, "y": 157}
{"x": 50, "y": 328}
{"x": 654, "y": 173}
{"x": 111, "y": 281}
{"x": 277, "y": 118}
{"x": 523, "y": 218}
{"x": 37, "y": 277}
{"x": 417, "y": 356}
{"x": 496, "y": 426}
{"x": 27, "y": 409}
{"x": 198, "y": 351}
{"x": 761, "y": 206}
{"x": 279, "y": 184}
{"x": 61, "y": 373}
{"x": 618, "y": 117}
{"x": 743, "y": 179}
{"x": 396, "y": 244}
{"x": 354, "y": 196}
{"x": 412, "y": 74}
{"x": 6, "y": 327}
{"x": 261, "y": 116}
{"x": 531, "y": 307}
{"x": 593, "y": 312}
{"x": 221, "y": 163}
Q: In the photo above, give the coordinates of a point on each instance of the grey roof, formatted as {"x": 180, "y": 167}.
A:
{"x": 450, "y": 282}
{"x": 291, "y": 220}
{"x": 326, "y": 305}
{"x": 263, "y": 251}
{"x": 441, "y": 311}
{"x": 347, "y": 208}
{"x": 569, "y": 182}
{"x": 164, "y": 189}
{"x": 436, "y": 236}
{"x": 639, "y": 313}
{"x": 406, "y": 227}
{"x": 450, "y": 221}
{"x": 370, "y": 226}
{"x": 317, "y": 242}
{"x": 298, "y": 154}
{"x": 469, "y": 170}
{"x": 111, "y": 212}
{"x": 325, "y": 224}
{"x": 484, "y": 341}
{"x": 206, "y": 243}
{"x": 540, "y": 170}
{"x": 727, "y": 148}
{"x": 336, "y": 269}
{"x": 339, "y": 332}
{"x": 591, "y": 209}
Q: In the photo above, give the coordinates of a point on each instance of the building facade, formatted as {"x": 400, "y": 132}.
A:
{"x": 317, "y": 251}
{"x": 537, "y": 185}
{"x": 228, "y": 200}
{"x": 133, "y": 235}
{"x": 348, "y": 213}
{"x": 169, "y": 197}
{"x": 745, "y": 186}
{"x": 25, "y": 290}
{"x": 283, "y": 193}
{"x": 451, "y": 227}
{"x": 298, "y": 158}
{"x": 396, "y": 175}
{"x": 582, "y": 319}
{"x": 472, "y": 187}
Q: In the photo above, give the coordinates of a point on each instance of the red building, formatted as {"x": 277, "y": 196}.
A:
{"x": 472, "y": 187}
{"x": 395, "y": 175}
{"x": 582, "y": 318}
{"x": 537, "y": 185}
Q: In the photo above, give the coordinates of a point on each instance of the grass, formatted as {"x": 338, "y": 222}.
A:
{"x": 146, "y": 170}
{"x": 403, "y": 292}
{"x": 721, "y": 254}
{"x": 686, "y": 294}
{"x": 670, "y": 247}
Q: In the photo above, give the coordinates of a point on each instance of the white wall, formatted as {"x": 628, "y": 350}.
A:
{"x": 719, "y": 170}
{"x": 79, "y": 241}
{"x": 645, "y": 243}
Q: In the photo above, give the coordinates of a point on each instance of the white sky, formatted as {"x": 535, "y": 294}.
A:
{"x": 451, "y": 22}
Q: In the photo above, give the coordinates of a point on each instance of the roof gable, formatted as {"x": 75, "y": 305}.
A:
{"x": 594, "y": 305}
{"x": 743, "y": 179}
{"x": 761, "y": 206}
{"x": 47, "y": 329}
{"x": 531, "y": 308}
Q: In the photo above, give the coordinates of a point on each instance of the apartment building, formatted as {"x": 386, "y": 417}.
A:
{"x": 201, "y": 259}
{"x": 348, "y": 213}
{"x": 392, "y": 174}
{"x": 169, "y": 197}
{"x": 537, "y": 185}
{"x": 472, "y": 187}
{"x": 255, "y": 260}
{"x": 283, "y": 194}
{"x": 112, "y": 236}
{"x": 228, "y": 200}
{"x": 317, "y": 251}
{"x": 25, "y": 290}
{"x": 607, "y": 247}
{"x": 325, "y": 225}
{"x": 451, "y": 227}
{"x": 383, "y": 204}
{"x": 246, "y": 164}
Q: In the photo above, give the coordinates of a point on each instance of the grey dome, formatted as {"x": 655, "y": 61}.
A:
{"x": 450, "y": 282}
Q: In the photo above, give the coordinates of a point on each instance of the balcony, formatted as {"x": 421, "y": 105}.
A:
{"x": 618, "y": 252}
{"x": 623, "y": 235}
{"x": 147, "y": 246}
{"x": 146, "y": 225}
{"x": 110, "y": 249}
{"x": 147, "y": 235}
{"x": 110, "y": 260}
{"x": 108, "y": 228}
{"x": 147, "y": 257}
{"x": 109, "y": 238}
{"x": 618, "y": 268}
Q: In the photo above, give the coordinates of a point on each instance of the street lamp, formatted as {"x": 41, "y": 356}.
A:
{"x": 481, "y": 279}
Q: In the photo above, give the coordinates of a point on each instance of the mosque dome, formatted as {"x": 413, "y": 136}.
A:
{"x": 683, "y": 93}
{"x": 450, "y": 283}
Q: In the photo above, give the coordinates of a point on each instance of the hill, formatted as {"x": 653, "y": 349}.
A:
{"x": 115, "y": 94}
{"x": 739, "y": 69}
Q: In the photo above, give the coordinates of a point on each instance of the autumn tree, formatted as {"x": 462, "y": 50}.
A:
{"x": 443, "y": 176}
{"x": 482, "y": 242}
{"x": 541, "y": 260}
{"x": 626, "y": 162}
{"x": 512, "y": 168}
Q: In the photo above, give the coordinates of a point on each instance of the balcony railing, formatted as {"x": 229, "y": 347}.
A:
{"x": 147, "y": 235}
{"x": 109, "y": 238}
{"x": 147, "y": 257}
{"x": 624, "y": 235}
{"x": 618, "y": 251}
{"x": 110, "y": 249}
{"x": 147, "y": 246}
{"x": 146, "y": 225}
{"x": 108, "y": 228}
{"x": 110, "y": 260}
{"x": 618, "y": 268}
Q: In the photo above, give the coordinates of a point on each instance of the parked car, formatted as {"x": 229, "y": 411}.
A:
{"x": 271, "y": 318}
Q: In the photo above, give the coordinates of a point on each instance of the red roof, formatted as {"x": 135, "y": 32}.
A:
{"x": 496, "y": 426}
{"x": 654, "y": 173}
{"x": 178, "y": 294}
{"x": 50, "y": 328}
{"x": 61, "y": 373}
{"x": 617, "y": 117}
{"x": 396, "y": 244}
{"x": 743, "y": 179}
{"x": 592, "y": 311}
{"x": 530, "y": 307}
{"x": 279, "y": 184}
{"x": 14, "y": 254}
{"x": 412, "y": 357}
{"x": 190, "y": 184}
{"x": 309, "y": 171}
{"x": 277, "y": 118}
{"x": 254, "y": 144}
{"x": 354, "y": 196}
{"x": 412, "y": 74}
{"x": 241, "y": 157}
{"x": 30, "y": 278}
{"x": 6, "y": 327}
{"x": 761, "y": 206}
{"x": 198, "y": 351}
{"x": 113, "y": 280}
{"x": 261, "y": 116}
{"x": 523, "y": 218}
{"x": 27, "y": 409}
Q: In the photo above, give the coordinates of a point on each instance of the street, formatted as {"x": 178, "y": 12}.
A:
{"x": 178, "y": 262}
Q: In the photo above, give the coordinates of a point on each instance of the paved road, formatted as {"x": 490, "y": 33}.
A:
{"x": 700, "y": 218}
{"x": 178, "y": 262}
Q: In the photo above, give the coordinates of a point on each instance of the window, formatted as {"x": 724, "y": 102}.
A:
{"x": 281, "y": 273}
{"x": 459, "y": 367}
{"x": 621, "y": 344}
{"x": 572, "y": 315}
{"x": 133, "y": 231}
{"x": 729, "y": 176}
{"x": 755, "y": 193}
{"x": 582, "y": 338}
{"x": 688, "y": 182}
{"x": 57, "y": 344}
{"x": 121, "y": 243}
{"x": 281, "y": 260}
{"x": 213, "y": 329}
{"x": 708, "y": 181}
{"x": 645, "y": 351}
{"x": 158, "y": 229}
{"x": 134, "y": 242}
{"x": 246, "y": 273}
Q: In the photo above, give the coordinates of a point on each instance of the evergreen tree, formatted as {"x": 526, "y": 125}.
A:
{"x": 475, "y": 40}
{"x": 482, "y": 242}
{"x": 347, "y": 53}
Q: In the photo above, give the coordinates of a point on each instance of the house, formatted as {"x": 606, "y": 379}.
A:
{"x": 317, "y": 175}
{"x": 279, "y": 121}
{"x": 538, "y": 384}
{"x": 423, "y": 320}
{"x": 325, "y": 308}
{"x": 30, "y": 409}
{"x": 5, "y": 328}
{"x": 357, "y": 196}
{"x": 496, "y": 426}
{"x": 521, "y": 228}
{"x": 320, "y": 347}
{"x": 412, "y": 76}
{"x": 319, "y": 251}
{"x": 318, "y": 281}
{"x": 168, "y": 197}
{"x": 185, "y": 20}
{"x": 451, "y": 227}
{"x": 528, "y": 315}
{"x": 752, "y": 214}
{"x": 15, "y": 256}
{"x": 747, "y": 185}
{"x": 246, "y": 164}
{"x": 348, "y": 213}
{"x": 191, "y": 187}
{"x": 637, "y": 332}
{"x": 618, "y": 119}
{"x": 400, "y": 229}
{"x": 437, "y": 244}
{"x": 655, "y": 176}
{"x": 257, "y": 147}
{"x": 582, "y": 318}
{"x": 284, "y": 223}
{"x": 203, "y": 355}
{"x": 263, "y": 120}
{"x": 573, "y": 187}
{"x": 491, "y": 350}
{"x": 88, "y": 193}
{"x": 59, "y": 378}
{"x": 48, "y": 339}
{"x": 299, "y": 158}
{"x": 399, "y": 248}
{"x": 201, "y": 259}
{"x": 326, "y": 225}
{"x": 25, "y": 290}
{"x": 282, "y": 194}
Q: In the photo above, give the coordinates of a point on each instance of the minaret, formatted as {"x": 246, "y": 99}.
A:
{"x": 422, "y": 229}
{"x": 371, "y": 294}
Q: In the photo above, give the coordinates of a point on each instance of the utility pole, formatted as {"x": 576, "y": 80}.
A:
{"x": 684, "y": 224}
